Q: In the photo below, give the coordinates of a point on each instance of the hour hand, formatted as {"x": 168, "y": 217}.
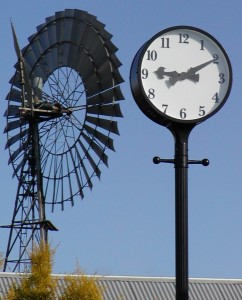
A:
{"x": 161, "y": 73}
{"x": 175, "y": 76}
{"x": 184, "y": 75}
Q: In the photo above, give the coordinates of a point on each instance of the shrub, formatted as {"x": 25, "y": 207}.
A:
{"x": 38, "y": 284}
{"x": 81, "y": 287}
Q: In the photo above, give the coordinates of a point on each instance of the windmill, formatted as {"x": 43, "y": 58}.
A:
{"x": 60, "y": 117}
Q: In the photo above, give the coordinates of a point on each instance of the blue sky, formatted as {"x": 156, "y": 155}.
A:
{"x": 125, "y": 226}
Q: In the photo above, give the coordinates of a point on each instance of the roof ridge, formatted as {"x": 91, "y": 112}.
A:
{"x": 139, "y": 278}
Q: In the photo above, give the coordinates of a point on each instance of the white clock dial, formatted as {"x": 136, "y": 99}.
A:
{"x": 184, "y": 73}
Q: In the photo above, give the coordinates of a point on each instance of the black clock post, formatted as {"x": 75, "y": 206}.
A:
{"x": 181, "y": 134}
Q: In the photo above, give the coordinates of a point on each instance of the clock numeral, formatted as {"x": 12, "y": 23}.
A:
{"x": 165, "y": 42}
{"x": 216, "y": 98}
{"x": 151, "y": 94}
{"x": 144, "y": 73}
{"x": 221, "y": 78}
{"x": 202, "y": 111}
{"x": 165, "y": 106}
{"x": 183, "y": 113}
{"x": 202, "y": 45}
{"x": 151, "y": 55}
{"x": 216, "y": 57}
{"x": 183, "y": 38}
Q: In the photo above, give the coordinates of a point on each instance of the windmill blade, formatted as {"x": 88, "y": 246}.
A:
{"x": 20, "y": 166}
{"x": 12, "y": 125}
{"x": 29, "y": 58}
{"x": 108, "y": 125}
{"x": 16, "y": 81}
{"x": 12, "y": 110}
{"x": 84, "y": 169}
{"x": 106, "y": 110}
{"x": 94, "y": 166}
{"x": 106, "y": 97}
{"x": 104, "y": 139}
{"x": 17, "y": 152}
{"x": 14, "y": 95}
{"x": 16, "y": 138}
{"x": 97, "y": 149}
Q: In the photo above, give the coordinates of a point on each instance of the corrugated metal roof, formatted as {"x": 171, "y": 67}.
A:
{"x": 150, "y": 288}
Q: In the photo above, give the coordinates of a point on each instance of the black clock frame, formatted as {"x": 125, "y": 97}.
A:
{"x": 144, "y": 103}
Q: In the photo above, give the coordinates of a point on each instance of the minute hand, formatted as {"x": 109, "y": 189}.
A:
{"x": 198, "y": 68}
{"x": 191, "y": 73}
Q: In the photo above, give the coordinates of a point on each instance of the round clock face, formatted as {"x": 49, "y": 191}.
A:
{"x": 182, "y": 74}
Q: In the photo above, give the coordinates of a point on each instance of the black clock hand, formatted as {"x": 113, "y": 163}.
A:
{"x": 190, "y": 74}
{"x": 183, "y": 76}
{"x": 175, "y": 76}
{"x": 160, "y": 73}
{"x": 199, "y": 67}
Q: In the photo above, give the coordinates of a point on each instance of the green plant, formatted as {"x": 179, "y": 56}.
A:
{"x": 38, "y": 284}
{"x": 81, "y": 287}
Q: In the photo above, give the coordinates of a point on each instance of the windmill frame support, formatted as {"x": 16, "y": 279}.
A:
{"x": 29, "y": 224}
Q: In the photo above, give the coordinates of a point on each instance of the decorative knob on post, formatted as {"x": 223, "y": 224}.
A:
{"x": 157, "y": 160}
